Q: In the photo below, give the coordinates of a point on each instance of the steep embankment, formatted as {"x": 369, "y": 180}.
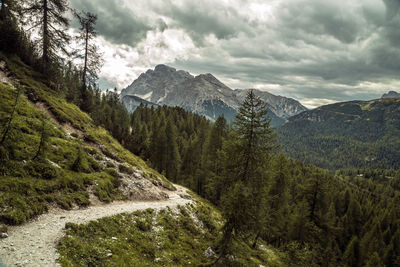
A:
{"x": 53, "y": 154}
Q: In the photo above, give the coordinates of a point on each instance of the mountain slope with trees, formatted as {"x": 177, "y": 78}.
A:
{"x": 316, "y": 217}
{"x": 356, "y": 134}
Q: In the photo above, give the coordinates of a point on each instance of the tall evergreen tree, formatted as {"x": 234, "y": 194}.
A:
{"x": 89, "y": 52}
{"x": 246, "y": 160}
{"x": 12, "y": 115}
{"x": 44, "y": 139}
{"x": 49, "y": 17}
{"x": 172, "y": 158}
{"x": 9, "y": 32}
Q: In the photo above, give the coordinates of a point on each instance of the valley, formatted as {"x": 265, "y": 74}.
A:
{"x": 124, "y": 140}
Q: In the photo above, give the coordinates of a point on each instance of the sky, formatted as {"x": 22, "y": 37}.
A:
{"x": 316, "y": 51}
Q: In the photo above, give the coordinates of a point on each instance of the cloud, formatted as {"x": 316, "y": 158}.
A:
{"x": 200, "y": 19}
{"x": 116, "y": 21}
{"x": 307, "y": 49}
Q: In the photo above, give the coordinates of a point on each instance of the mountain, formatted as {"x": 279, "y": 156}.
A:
{"x": 203, "y": 94}
{"x": 281, "y": 106}
{"x": 391, "y": 94}
{"x": 362, "y": 134}
{"x": 131, "y": 102}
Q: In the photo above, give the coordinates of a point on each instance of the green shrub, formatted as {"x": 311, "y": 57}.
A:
{"x": 125, "y": 169}
{"x": 109, "y": 164}
{"x": 42, "y": 169}
{"x": 3, "y": 228}
{"x": 94, "y": 165}
{"x": 81, "y": 163}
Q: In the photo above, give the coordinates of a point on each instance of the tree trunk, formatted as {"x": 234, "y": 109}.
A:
{"x": 4, "y": 11}
{"x": 46, "y": 45}
{"x": 226, "y": 240}
{"x": 86, "y": 57}
{"x": 7, "y": 129}
{"x": 255, "y": 240}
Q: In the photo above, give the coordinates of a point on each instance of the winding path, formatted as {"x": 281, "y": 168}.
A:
{"x": 34, "y": 243}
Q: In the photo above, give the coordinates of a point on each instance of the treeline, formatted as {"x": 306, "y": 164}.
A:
{"x": 175, "y": 142}
{"x": 383, "y": 177}
{"x": 338, "y": 152}
{"x": 317, "y": 218}
{"x": 70, "y": 72}
{"x": 346, "y": 135}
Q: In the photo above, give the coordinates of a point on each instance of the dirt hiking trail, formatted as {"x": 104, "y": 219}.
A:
{"x": 34, "y": 243}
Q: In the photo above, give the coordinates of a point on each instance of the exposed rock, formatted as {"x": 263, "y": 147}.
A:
{"x": 391, "y": 94}
{"x": 54, "y": 164}
{"x": 209, "y": 253}
{"x": 3, "y": 235}
{"x": 283, "y": 107}
{"x": 203, "y": 94}
{"x": 131, "y": 102}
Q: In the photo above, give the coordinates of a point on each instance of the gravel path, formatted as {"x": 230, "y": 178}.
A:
{"x": 34, "y": 243}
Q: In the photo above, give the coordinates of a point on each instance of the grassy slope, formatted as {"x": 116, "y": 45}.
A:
{"x": 156, "y": 238}
{"x": 28, "y": 187}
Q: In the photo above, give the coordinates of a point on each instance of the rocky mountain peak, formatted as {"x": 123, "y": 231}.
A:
{"x": 391, "y": 94}
{"x": 203, "y": 94}
{"x": 164, "y": 68}
{"x": 207, "y": 76}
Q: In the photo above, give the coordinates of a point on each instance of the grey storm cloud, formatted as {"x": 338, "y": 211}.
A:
{"x": 116, "y": 22}
{"x": 203, "y": 18}
{"x": 325, "y": 42}
{"x": 310, "y": 48}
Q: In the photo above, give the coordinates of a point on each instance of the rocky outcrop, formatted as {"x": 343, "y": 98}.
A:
{"x": 203, "y": 94}
{"x": 391, "y": 94}
{"x": 281, "y": 106}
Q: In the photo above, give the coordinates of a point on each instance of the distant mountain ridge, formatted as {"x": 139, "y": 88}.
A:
{"x": 391, "y": 94}
{"x": 203, "y": 94}
{"x": 362, "y": 134}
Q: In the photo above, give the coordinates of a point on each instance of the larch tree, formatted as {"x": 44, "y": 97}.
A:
{"x": 10, "y": 34}
{"x": 89, "y": 52}
{"x": 211, "y": 164}
{"x": 246, "y": 156}
{"x": 48, "y": 16}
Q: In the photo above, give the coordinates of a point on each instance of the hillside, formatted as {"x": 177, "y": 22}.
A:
{"x": 203, "y": 94}
{"x": 79, "y": 160}
{"x": 82, "y": 168}
{"x": 356, "y": 134}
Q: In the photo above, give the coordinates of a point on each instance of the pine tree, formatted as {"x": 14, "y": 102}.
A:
{"x": 211, "y": 163}
{"x": 172, "y": 157}
{"x": 44, "y": 138}
{"x": 276, "y": 206}
{"x": 10, "y": 34}
{"x": 91, "y": 56}
{"x": 351, "y": 256}
{"x": 12, "y": 115}
{"x": 89, "y": 52}
{"x": 49, "y": 17}
{"x": 374, "y": 261}
{"x": 247, "y": 156}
